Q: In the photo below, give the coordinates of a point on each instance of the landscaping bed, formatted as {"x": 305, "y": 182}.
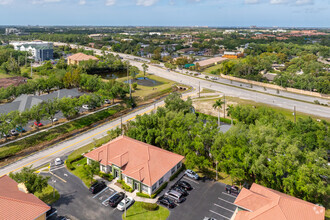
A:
{"x": 47, "y": 195}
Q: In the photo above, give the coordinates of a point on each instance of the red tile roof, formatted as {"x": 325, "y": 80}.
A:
{"x": 264, "y": 203}
{"x": 81, "y": 57}
{"x": 137, "y": 160}
{"x": 15, "y": 204}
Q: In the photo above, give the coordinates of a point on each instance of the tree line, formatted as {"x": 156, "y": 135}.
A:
{"x": 263, "y": 147}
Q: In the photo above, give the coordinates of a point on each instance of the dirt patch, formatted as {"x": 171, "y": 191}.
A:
{"x": 206, "y": 107}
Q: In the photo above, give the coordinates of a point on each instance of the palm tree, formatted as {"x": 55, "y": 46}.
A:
{"x": 230, "y": 110}
{"x": 145, "y": 68}
{"x": 218, "y": 105}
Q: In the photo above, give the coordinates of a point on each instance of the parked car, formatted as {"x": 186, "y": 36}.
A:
{"x": 209, "y": 218}
{"x": 54, "y": 119}
{"x": 20, "y": 129}
{"x": 14, "y": 132}
{"x": 175, "y": 196}
{"x": 180, "y": 190}
{"x": 6, "y": 135}
{"x": 184, "y": 185}
{"x": 107, "y": 101}
{"x": 38, "y": 124}
{"x": 97, "y": 187}
{"x": 166, "y": 202}
{"x": 234, "y": 190}
{"x": 87, "y": 107}
{"x": 58, "y": 161}
{"x": 125, "y": 203}
{"x": 115, "y": 199}
{"x": 191, "y": 174}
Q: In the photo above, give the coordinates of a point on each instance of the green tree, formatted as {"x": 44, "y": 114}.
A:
{"x": 70, "y": 107}
{"x": 218, "y": 105}
{"x": 91, "y": 169}
{"x": 50, "y": 108}
{"x": 145, "y": 68}
{"x": 37, "y": 113}
{"x": 33, "y": 182}
{"x": 134, "y": 71}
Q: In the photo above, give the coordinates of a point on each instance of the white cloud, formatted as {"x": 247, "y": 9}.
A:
{"x": 251, "y": 1}
{"x": 45, "y": 1}
{"x": 304, "y": 2}
{"x": 110, "y": 2}
{"x": 82, "y": 2}
{"x": 5, "y": 2}
{"x": 277, "y": 2}
{"x": 146, "y": 2}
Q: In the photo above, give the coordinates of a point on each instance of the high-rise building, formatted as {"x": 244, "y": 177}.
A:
{"x": 39, "y": 50}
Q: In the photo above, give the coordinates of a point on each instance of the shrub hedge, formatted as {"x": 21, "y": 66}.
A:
{"x": 159, "y": 190}
{"x": 143, "y": 195}
{"x": 125, "y": 186}
{"x": 150, "y": 206}
{"x": 106, "y": 176}
{"x": 69, "y": 162}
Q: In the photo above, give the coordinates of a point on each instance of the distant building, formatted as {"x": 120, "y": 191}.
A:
{"x": 11, "y": 31}
{"x": 232, "y": 54}
{"x": 210, "y": 62}
{"x": 17, "y": 203}
{"x": 260, "y": 202}
{"x": 75, "y": 59}
{"x": 40, "y": 50}
{"x": 97, "y": 36}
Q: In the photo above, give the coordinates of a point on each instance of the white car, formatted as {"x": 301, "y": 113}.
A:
{"x": 107, "y": 101}
{"x": 192, "y": 174}
{"x": 125, "y": 203}
{"x": 58, "y": 161}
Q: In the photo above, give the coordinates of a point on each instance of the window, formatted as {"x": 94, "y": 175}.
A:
{"x": 161, "y": 180}
{"x": 172, "y": 170}
{"x": 110, "y": 169}
{"x": 145, "y": 188}
{"x": 178, "y": 166}
{"x": 154, "y": 187}
{"x": 129, "y": 181}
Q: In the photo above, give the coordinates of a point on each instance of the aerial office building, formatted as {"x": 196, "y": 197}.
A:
{"x": 39, "y": 50}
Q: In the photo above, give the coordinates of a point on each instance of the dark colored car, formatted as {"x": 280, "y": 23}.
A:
{"x": 234, "y": 190}
{"x": 166, "y": 202}
{"x": 184, "y": 185}
{"x": 115, "y": 200}
{"x": 97, "y": 187}
{"x": 180, "y": 190}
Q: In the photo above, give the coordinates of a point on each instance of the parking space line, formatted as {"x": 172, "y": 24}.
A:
{"x": 226, "y": 201}
{"x": 100, "y": 192}
{"x": 104, "y": 202}
{"x": 229, "y": 195}
{"x": 223, "y": 207}
{"x": 57, "y": 168}
{"x": 57, "y": 176}
{"x": 219, "y": 214}
{"x": 194, "y": 181}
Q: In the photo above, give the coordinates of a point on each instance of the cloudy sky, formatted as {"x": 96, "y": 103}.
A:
{"x": 288, "y": 13}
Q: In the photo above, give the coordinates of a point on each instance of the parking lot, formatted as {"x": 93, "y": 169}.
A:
{"x": 76, "y": 200}
{"x": 207, "y": 199}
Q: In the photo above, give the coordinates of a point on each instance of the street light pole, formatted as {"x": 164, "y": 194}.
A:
{"x": 216, "y": 170}
{"x": 129, "y": 82}
{"x": 224, "y": 102}
{"x": 199, "y": 93}
{"x": 54, "y": 181}
{"x": 125, "y": 202}
{"x": 294, "y": 113}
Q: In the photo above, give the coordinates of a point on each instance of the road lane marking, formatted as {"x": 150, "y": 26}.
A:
{"x": 101, "y": 192}
{"x": 229, "y": 195}
{"x": 219, "y": 214}
{"x": 57, "y": 176}
{"x": 226, "y": 201}
{"x": 105, "y": 201}
{"x": 59, "y": 150}
{"x": 224, "y": 208}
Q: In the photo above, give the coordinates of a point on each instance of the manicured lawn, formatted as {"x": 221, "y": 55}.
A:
{"x": 208, "y": 91}
{"x": 146, "y": 92}
{"x": 47, "y": 195}
{"x": 137, "y": 212}
{"x": 210, "y": 173}
{"x": 212, "y": 68}
{"x": 79, "y": 171}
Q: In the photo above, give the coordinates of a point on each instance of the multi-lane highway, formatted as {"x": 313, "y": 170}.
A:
{"x": 288, "y": 101}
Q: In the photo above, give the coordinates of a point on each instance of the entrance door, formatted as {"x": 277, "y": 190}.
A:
{"x": 136, "y": 186}
{"x": 116, "y": 173}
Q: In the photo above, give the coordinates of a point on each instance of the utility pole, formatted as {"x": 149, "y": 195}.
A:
{"x": 54, "y": 181}
{"x": 294, "y": 113}
{"x": 121, "y": 125}
{"x": 199, "y": 93}
{"x": 31, "y": 68}
{"x": 129, "y": 82}
{"x": 125, "y": 203}
{"x": 216, "y": 170}
{"x": 224, "y": 102}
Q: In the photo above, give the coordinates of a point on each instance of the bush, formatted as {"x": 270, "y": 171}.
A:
{"x": 159, "y": 190}
{"x": 106, "y": 176}
{"x": 124, "y": 186}
{"x": 150, "y": 206}
{"x": 69, "y": 162}
{"x": 177, "y": 173}
{"x": 143, "y": 195}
